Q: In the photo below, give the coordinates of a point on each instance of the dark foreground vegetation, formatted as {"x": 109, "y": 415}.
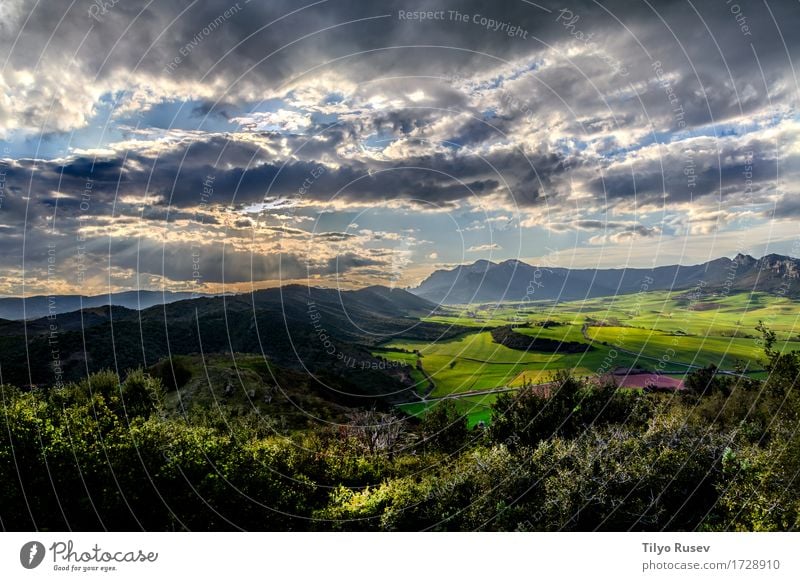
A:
{"x": 104, "y": 454}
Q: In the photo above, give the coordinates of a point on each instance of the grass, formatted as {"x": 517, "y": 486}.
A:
{"x": 711, "y": 314}
{"x": 411, "y": 359}
{"x": 668, "y": 329}
{"x": 716, "y": 315}
{"x": 475, "y": 362}
{"x": 476, "y": 408}
{"x": 724, "y": 352}
{"x": 221, "y": 386}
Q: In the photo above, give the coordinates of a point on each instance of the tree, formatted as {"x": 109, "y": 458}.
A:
{"x": 533, "y": 414}
{"x": 377, "y": 432}
{"x": 704, "y": 381}
{"x": 173, "y": 372}
{"x": 783, "y": 368}
{"x": 444, "y": 427}
{"x": 141, "y": 394}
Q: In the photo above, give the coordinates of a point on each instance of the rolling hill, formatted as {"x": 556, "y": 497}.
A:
{"x": 324, "y": 333}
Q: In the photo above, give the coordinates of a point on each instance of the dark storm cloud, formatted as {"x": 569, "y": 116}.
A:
{"x": 404, "y": 121}
{"x": 216, "y": 264}
{"x": 595, "y": 224}
{"x": 641, "y": 230}
{"x": 786, "y": 207}
{"x": 335, "y": 236}
{"x": 147, "y": 35}
{"x": 98, "y": 169}
{"x": 719, "y": 78}
{"x": 212, "y": 109}
{"x": 66, "y": 70}
{"x": 721, "y": 67}
{"x": 243, "y": 174}
{"x": 743, "y": 169}
{"x": 605, "y": 226}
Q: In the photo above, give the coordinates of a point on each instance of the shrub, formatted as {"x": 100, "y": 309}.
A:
{"x": 173, "y": 372}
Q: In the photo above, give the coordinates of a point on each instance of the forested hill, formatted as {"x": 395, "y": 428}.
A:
{"x": 321, "y": 331}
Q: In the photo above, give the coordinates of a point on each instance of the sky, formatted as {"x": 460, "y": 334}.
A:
{"x": 218, "y": 146}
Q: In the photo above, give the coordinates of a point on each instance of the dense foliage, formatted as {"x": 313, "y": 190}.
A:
{"x": 508, "y": 337}
{"x": 107, "y": 454}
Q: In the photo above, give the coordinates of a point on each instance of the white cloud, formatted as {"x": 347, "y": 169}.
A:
{"x": 484, "y": 247}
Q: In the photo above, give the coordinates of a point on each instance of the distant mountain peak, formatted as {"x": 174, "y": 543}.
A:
{"x": 34, "y": 307}
{"x": 512, "y": 262}
{"x": 513, "y": 280}
{"x": 775, "y": 258}
{"x": 744, "y": 258}
{"x": 478, "y": 266}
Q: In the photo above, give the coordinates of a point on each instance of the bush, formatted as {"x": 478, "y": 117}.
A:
{"x": 444, "y": 427}
{"x": 142, "y": 394}
{"x": 173, "y": 372}
{"x": 571, "y": 406}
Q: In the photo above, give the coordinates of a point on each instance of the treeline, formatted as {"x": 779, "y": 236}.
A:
{"x": 104, "y": 454}
{"x": 508, "y": 337}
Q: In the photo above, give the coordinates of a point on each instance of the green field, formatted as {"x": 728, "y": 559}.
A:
{"x": 421, "y": 383}
{"x": 662, "y": 310}
{"x": 674, "y": 311}
{"x": 476, "y": 408}
{"x": 671, "y": 332}
{"x": 474, "y": 362}
{"x": 723, "y": 352}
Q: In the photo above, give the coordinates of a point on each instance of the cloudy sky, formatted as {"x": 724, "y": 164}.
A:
{"x": 210, "y": 145}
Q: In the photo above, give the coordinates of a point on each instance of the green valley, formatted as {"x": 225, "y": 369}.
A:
{"x": 660, "y": 332}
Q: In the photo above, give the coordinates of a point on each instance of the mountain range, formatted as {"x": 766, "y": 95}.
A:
{"x": 332, "y": 336}
{"x": 483, "y": 282}
{"x": 512, "y": 280}
{"x": 17, "y": 308}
